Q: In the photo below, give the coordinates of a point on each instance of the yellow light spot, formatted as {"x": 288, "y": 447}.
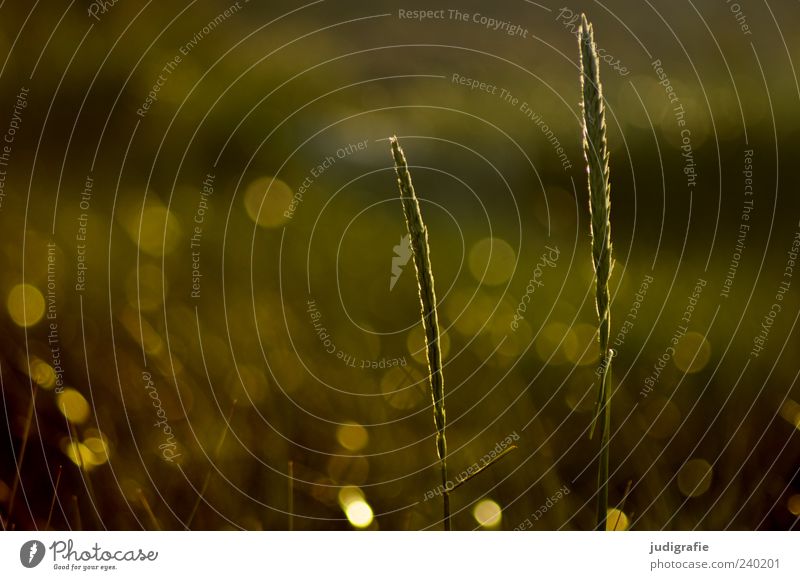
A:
{"x": 159, "y": 231}
{"x": 80, "y": 455}
{"x": 5, "y": 492}
{"x": 692, "y": 353}
{"x": 585, "y": 350}
{"x": 616, "y": 520}
{"x": 416, "y": 344}
{"x": 359, "y": 513}
{"x": 355, "y": 507}
{"x": 266, "y": 201}
{"x": 694, "y": 478}
{"x": 73, "y": 406}
{"x": 491, "y": 261}
{"x": 25, "y": 305}
{"x": 515, "y": 342}
{"x": 487, "y": 513}
{"x": 469, "y": 313}
{"x": 793, "y": 504}
{"x": 554, "y": 341}
{"x": 352, "y": 436}
{"x": 348, "y": 494}
{"x": 790, "y": 412}
{"x": 99, "y": 449}
{"x": 42, "y": 373}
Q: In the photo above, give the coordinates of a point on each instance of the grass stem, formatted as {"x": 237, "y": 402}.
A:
{"x": 55, "y": 497}
{"x": 595, "y": 149}
{"x": 26, "y": 434}
{"x": 430, "y": 317}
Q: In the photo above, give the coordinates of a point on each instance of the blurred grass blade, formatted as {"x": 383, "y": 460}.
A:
{"x": 484, "y": 467}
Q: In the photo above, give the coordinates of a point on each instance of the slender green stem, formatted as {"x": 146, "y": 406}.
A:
{"x": 595, "y": 150}
{"x": 430, "y": 317}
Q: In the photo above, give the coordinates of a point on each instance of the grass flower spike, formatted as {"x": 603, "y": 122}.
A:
{"x": 430, "y": 318}
{"x": 595, "y": 149}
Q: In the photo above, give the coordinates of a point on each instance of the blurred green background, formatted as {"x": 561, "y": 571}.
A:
{"x": 236, "y": 194}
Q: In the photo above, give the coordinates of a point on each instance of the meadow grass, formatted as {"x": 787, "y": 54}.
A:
{"x": 430, "y": 317}
{"x": 595, "y": 150}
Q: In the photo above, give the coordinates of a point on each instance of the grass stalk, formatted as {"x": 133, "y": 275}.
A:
{"x": 430, "y": 317}
{"x": 595, "y": 150}
{"x": 209, "y": 473}
{"x": 55, "y": 497}
{"x": 26, "y": 434}
{"x": 76, "y": 510}
{"x": 148, "y": 510}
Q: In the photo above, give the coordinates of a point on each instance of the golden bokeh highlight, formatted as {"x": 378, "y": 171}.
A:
{"x": 359, "y": 513}
{"x": 266, "y": 200}
{"x": 692, "y": 353}
{"x": 352, "y": 436}
{"x": 25, "y": 305}
{"x": 584, "y": 350}
{"x": 73, "y": 406}
{"x": 80, "y": 455}
{"x": 159, "y": 232}
{"x": 355, "y": 507}
{"x": 793, "y": 505}
{"x": 694, "y": 478}
{"x": 617, "y": 520}
{"x": 516, "y": 342}
{"x": 488, "y": 513}
{"x": 468, "y": 313}
{"x": 554, "y": 342}
{"x": 790, "y": 412}
{"x": 98, "y": 446}
{"x": 42, "y": 373}
{"x": 492, "y": 261}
